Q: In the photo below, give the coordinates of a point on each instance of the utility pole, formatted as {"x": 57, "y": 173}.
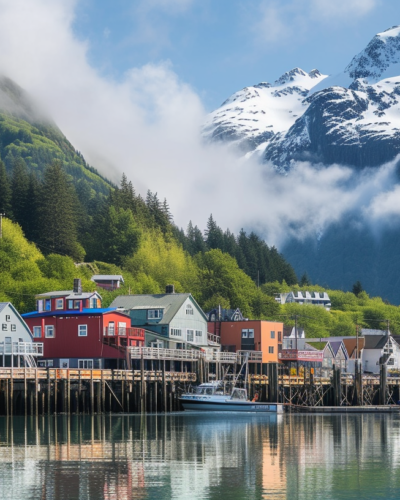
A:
{"x": 1, "y": 225}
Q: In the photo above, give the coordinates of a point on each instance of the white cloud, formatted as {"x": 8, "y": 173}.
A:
{"x": 280, "y": 21}
{"x": 148, "y": 127}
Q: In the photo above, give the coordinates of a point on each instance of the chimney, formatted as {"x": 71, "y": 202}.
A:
{"x": 77, "y": 286}
{"x": 170, "y": 289}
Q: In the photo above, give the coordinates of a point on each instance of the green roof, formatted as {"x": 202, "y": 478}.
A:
{"x": 169, "y": 302}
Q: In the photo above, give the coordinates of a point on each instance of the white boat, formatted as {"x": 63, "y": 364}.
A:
{"x": 212, "y": 397}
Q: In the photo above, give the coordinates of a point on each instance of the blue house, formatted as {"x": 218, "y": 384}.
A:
{"x": 170, "y": 320}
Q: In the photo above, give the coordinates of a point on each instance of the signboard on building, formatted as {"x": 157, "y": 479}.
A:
{"x": 294, "y": 355}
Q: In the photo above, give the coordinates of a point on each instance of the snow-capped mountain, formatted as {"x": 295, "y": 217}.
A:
{"x": 352, "y": 118}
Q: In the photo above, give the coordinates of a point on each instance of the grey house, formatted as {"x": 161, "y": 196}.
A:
{"x": 171, "y": 320}
{"x": 17, "y": 348}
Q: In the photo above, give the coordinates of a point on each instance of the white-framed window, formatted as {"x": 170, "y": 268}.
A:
{"x": 49, "y": 332}
{"x": 82, "y": 330}
{"x": 49, "y": 363}
{"x": 8, "y": 317}
{"x": 93, "y": 303}
{"x": 77, "y": 304}
{"x": 47, "y": 304}
{"x": 251, "y": 333}
{"x": 121, "y": 328}
{"x": 111, "y": 328}
{"x": 176, "y": 332}
{"x": 271, "y": 349}
{"x": 40, "y": 305}
{"x": 190, "y": 335}
{"x": 189, "y": 310}
{"x": 248, "y": 333}
{"x": 272, "y": 335}
{"x": 59, "y": 303}
{"x": 199, "y": 333}
{"x": 244, "y": 333}
{"x": 154, "y": 314}
{"x": 37, "y": 332}
{"x": 13, "y": 328}
{"x": 4, "y": 327}
{"x": 85, "y": 364}
{"x": 70, "y": 304}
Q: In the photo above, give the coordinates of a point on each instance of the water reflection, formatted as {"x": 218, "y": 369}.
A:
{"x": 199, "y": 456}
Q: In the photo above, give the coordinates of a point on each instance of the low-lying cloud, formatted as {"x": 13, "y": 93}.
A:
{"x": 148, "y": 126}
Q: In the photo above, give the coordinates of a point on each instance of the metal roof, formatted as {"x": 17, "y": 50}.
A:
{"x": 72, "y": 312}
{"x": 3, "y": 305}
{"x": 375, "y": 341}
{"x": 108, "y": 277}
{"x": 169, "y": 302}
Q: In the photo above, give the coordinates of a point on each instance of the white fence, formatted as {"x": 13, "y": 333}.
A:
{"x": 194, "y": 355}
{"x": 21, "y": 348}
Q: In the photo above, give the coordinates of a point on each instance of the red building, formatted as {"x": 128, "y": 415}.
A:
{"x": 77, "y": 333}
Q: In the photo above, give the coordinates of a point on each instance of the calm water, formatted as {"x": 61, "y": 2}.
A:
{"x": 195, "y": 456}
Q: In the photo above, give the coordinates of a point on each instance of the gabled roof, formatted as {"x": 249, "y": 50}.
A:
{"x": 4, "y": 305}
{"x": 68, "y": 294}
{"x": 107, "y": 277}
{"x": 375, "y": 341}
{"x": 351, "y": 346}
{"x": 169, "y": 302}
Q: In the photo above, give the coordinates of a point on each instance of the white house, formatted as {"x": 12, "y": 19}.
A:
{"x": 313, "y": 298}
{"x": 17, "y": 348}
{"x": 380, "y": 348}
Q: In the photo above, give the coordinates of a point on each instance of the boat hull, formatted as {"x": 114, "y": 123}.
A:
{"x": 234, "y": 406}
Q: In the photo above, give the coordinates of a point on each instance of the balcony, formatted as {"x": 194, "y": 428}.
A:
{"x": 297, "y": 355}
{"x": 21, "y": 348}
{"x": 167, "y": 354}
{"x": 133, "y": 333}
{"x": 215, "y": 339}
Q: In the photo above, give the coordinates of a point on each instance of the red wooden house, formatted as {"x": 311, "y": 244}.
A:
{"x": 77, "y": 332}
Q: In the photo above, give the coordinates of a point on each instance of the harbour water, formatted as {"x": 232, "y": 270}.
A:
{"x": 196, "y": 456}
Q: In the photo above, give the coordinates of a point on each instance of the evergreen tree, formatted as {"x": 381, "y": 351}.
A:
{"x": 357, "y": 288}
{"x": 19, "y": 197}
{"x": 57, "y": 214}
{"x": 31, "y": 216}
{"x": 214, "y": 235}
{"x": 304, "y": 280}
{"x": 5, "y": 192}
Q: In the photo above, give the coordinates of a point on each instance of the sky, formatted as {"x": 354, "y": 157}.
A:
{"x": 130, "y": 83}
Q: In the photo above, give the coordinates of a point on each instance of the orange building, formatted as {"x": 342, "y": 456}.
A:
{"x": 252, "y": 335}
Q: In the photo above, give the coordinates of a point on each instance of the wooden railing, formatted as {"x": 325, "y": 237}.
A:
{"x": 120, "y": 331}
{"x": 167, "y": 354}
{"x": 253, "y": 356}
{"x": 214, "y": 338}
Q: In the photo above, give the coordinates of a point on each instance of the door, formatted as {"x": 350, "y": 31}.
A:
{"x": 64, "y": 363}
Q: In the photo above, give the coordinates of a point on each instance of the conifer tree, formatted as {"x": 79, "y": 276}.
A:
{"x": 57, "y": 214}
{"x": 31, "y": 216}
{"x": 19, "y": 196}
{"x": 5, "y": 192}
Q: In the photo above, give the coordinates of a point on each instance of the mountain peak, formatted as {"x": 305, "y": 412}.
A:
{"x": 290, "y": 76}
{"x": 379, "y": 59}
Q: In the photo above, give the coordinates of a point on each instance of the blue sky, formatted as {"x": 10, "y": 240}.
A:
{"x": 220, "y": 46}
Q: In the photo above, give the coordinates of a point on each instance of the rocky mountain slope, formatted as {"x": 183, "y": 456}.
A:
{"x": 352, "y": 118}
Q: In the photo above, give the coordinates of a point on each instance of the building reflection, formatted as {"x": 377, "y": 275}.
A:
{"x": 196, "y": 456}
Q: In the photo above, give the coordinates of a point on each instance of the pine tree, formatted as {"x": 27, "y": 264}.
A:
{"x": 5, "y": 192}
{"x": 57, "y": 214}
{"x": 31, "y": 217}
{"x": 19, "y": 197}
{"x": 357, "y": 288}
{"x": 214, "y": 235}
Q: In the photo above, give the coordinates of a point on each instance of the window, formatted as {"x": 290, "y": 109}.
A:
{"x": 279, "y": 336}
{"x": 4, "y": 327}
{"x": 189, "y": 310}
{"x": 154, "y": 314}
{"x": 13, "y": 328}
{"x": 176, "y": 332}
{"x": 70, "y": 304}
{"x": 40, "y": 305}
{"x": 49, "y": 363}
{"x": 59, "y": 303}
{"x": 189, "y": 335}
{"x": 49, "y": 331}
{"x": 93, "y": 303}
{"x": 77, "y": 304}
{"x": 199, "y": 333}
{"x": 272, "y": 335}
{"x": 8, "y": 317}
{"x": 85, "y": 364}
{"x": 37, "y": 332}
{"x": 251, "y": 333}
{"x": 111, "y": 328}
{"x": 244, "y": 334}
{"x": 48, "y": 304}
{"x": 82, "y": 330}
{"x": 271, "y": 350}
